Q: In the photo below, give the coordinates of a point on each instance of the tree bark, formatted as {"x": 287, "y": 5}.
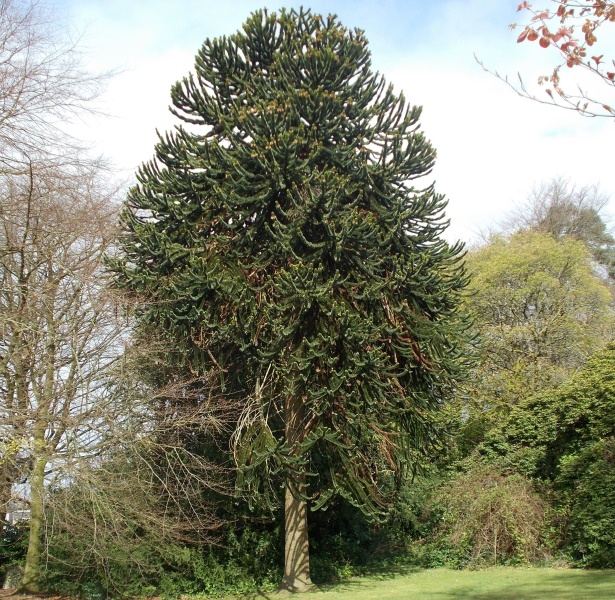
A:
{"x": 296, "y": 547}
{"x": 30, "y": 583}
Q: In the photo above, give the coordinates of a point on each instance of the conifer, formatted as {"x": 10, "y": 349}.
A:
{"x": 279, "y": 239}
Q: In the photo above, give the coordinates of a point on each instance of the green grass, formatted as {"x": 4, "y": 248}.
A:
{"x": 489, "y": 584}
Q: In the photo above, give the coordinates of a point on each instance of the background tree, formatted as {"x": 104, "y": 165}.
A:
{"x": 561, "y": 209}
{"x": 284, "y": 249}
{"x": 540, "y": 312}
{"x": 75, "y": 410}
{"x": 60, "y": 336}
{"x": 69, "y": 418}
{"x": 42, "y": 85}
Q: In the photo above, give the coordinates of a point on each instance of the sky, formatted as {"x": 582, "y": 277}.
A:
{"x": 493, "y": 146}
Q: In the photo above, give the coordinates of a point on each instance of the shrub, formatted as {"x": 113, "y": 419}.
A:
{"x": 587, "y": 485}
{"x": 13, "y": 544}
{"x": 244, "y": 560}
{"x": 486, "y": 519}
{"x": 565, "y": 439}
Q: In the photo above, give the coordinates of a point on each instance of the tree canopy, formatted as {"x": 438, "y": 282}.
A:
{"x": 540, "y": 310}
{"x": 278, "y": 239}
{"x": 564, "y": 210}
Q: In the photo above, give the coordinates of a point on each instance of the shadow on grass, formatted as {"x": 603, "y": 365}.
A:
{"x": 379, "y": 573}
{"x": 563, "y": 585}
{"x": 389, "y": 572}
{"x": 476, "y": 585}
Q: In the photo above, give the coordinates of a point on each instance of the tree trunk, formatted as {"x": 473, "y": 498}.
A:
{"x": 35, "y": 542}
{"x": 45, "y": 402}
{"x": 296, "y": 547}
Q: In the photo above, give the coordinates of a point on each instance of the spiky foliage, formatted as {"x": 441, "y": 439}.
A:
{"x": 278, "y": 238}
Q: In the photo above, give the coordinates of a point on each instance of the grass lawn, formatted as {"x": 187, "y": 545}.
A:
{"x": 490, "y": 584}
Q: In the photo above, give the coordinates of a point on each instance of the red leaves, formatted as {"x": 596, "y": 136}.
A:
{"x": 532, "y": 35}
{"x": 561, "y": 32}
{"x": 572, "y": 27}
{"x": 528, "y": 34}
{"x": 540, "y": 16}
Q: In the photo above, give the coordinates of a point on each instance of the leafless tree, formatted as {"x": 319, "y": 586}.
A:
{"x": 74, "y": 413}
{"x": 59, "y": 336}
{"x": 147, "y": 487}
{"x": 43, "y": 85}
{"x": 562, "y": 209}
{"x": 95, "y": 445}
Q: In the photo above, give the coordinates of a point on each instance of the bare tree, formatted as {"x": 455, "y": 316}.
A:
{"x": 60, "y": 336}
{"x": 43, "y": 85}
{"x": 148, "y": 486}
{"x": 562, "y": 209}
{"x": 99, "y": 450}
{"x": 72, "y": 414}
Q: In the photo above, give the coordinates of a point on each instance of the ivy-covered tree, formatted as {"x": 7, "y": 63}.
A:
{"x": 278, "y": 239}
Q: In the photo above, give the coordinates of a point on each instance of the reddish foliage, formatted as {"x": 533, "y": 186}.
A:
{"x": 586, "y": 19}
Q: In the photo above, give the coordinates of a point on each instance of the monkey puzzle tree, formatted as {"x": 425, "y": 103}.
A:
{"x": 279, "y": 241}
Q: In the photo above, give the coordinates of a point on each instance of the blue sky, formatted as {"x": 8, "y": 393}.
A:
{"x": 492, "y": 145}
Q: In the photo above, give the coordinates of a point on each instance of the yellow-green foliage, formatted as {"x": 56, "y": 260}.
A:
{"x": 8, "y": 449}
{"x": 540, "y": 308}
